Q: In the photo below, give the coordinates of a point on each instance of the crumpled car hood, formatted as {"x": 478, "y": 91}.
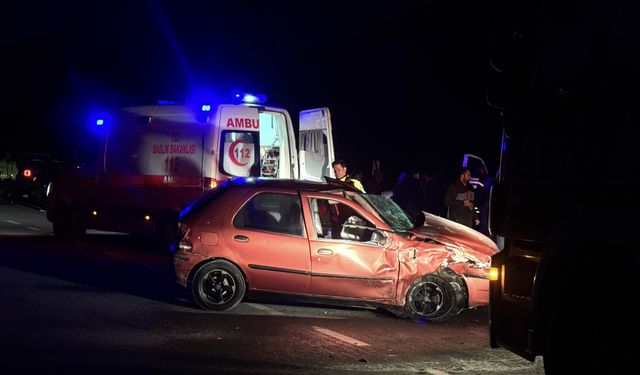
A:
{"x": 451, "y": 233}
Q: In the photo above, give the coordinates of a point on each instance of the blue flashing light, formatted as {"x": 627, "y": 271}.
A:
{"x": 206, "y": 108}
{"x": 97, "y": 123}
{"x": 185, "y": 211}
{"x": 173, "y": 247}
{"x": 239, "y": 180}
{"x": 242, "y": 181}
{"x": 250, "y": 98}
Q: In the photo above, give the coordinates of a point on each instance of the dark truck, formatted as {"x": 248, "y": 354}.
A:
{"x": 565, "y": 208}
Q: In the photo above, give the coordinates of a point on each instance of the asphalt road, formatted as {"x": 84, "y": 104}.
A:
{"x": 108, "y": 304}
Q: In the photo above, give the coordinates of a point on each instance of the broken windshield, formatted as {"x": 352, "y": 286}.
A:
{"x": 389, "y": 212}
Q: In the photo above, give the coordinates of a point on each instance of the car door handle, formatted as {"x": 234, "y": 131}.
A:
{"x": 325, "y": 251}
{"x": 241, "y": 238}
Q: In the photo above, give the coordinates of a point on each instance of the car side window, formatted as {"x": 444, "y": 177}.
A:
{"x": 332, "y": 219}
{"x": 271, "y": 212}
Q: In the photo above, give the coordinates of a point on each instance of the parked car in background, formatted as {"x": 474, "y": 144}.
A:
{"x": 35, "y": 172}
{"x": 327, "y": 240}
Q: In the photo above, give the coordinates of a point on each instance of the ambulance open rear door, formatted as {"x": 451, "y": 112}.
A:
{"x": 315, "y": 144}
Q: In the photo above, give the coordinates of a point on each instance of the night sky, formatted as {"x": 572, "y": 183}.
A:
{"x": 405, "y": 80}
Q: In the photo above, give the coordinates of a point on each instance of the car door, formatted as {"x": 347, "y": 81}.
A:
{"x": 268, "y": 237}
{"x": 347, "y": 262}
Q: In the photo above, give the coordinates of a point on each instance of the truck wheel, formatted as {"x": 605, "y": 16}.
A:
{"x": 64, "y": 225}
{"x": 435, "y": 297}
{"x": 571, "y": 333}
{"x": 218, "y": 285}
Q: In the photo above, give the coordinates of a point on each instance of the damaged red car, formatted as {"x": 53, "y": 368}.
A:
{"x": 327, "y": 240}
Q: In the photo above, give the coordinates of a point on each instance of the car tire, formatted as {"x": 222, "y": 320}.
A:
{"x": 218, "y": 285}
{"x": 435, "y": 297}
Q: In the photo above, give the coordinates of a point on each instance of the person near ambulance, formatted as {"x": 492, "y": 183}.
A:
{"x": 459, "y": 200}
{"x": 340, "y": 169}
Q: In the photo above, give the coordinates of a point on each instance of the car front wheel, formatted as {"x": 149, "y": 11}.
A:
{"x": 433, "y": 297}
{"x": 218, "y": 285}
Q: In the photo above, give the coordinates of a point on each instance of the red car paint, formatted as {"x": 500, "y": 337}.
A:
{"x": 432, "y": 271}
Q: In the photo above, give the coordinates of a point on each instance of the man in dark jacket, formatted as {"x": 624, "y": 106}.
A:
{"x": 459, "y": 199}
{"x": 407, "y": 193}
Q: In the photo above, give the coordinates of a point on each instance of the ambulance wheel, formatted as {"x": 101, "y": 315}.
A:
{"x": 218, "y": 286}
{"x": 64, "y": 225}
{"x": 167, "y": 230}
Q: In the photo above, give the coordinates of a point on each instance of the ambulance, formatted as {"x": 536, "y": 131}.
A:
{"x": 151, "y": 161}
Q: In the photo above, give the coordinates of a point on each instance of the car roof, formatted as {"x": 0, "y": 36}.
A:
{"x": 281, "y": 183}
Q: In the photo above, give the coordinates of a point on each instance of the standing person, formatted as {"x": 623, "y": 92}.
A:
{"x": 374, "y": 181}
{"x": 8, "y": 172}
{"x": 340, "y": 169}
{"x": 459, "y": 200}
{"x": 434, "y": 190}
{"x": 425, "y": 193}
{"x": 407, "y": 193}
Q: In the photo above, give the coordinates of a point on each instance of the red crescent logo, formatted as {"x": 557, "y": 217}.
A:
{"x": 233, "y": 158}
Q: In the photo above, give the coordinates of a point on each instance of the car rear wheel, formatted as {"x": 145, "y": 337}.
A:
{"x": 218, "y": 285}
{"x": 434, "y": 297}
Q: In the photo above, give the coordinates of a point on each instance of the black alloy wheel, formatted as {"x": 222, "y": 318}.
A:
{"x": 431, "y": 297}
{"x": 218, "y": 285}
